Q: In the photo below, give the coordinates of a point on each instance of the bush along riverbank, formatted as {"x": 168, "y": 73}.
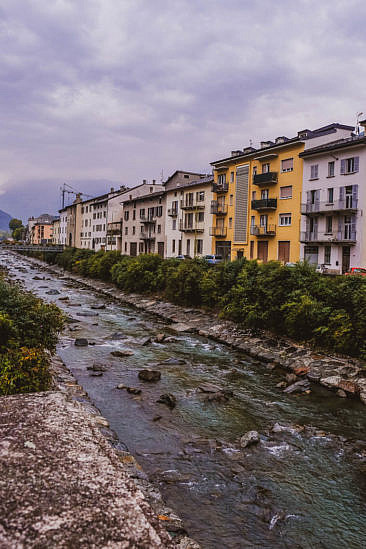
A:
{"x": 29, "y": 331}
{"x": 329, "y": 313}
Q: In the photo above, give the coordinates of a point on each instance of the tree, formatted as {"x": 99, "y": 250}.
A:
{"x": 15, "y": 224}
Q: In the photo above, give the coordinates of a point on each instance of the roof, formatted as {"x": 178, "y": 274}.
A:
{"x": 335, "y": 145}
{"x": 145, "y": 197}
{"x": 181, "y": 171}
{"x": 207, "y": 179}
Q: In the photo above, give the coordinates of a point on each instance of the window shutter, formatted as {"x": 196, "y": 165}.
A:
{"x": 356, "y": 163}
{"x": 343, "y": 166}
{"x": 354, "y": 195}
{"x": 341, "y": 193}
{"x": 308, "y": 197}
{"x": 353, "y": 227}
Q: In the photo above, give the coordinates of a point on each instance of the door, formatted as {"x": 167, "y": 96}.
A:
{"x": 311, "y": 254}
{"x": 284, "y": 251}
{"x": 262, "y": 253}
{"x": 251, "y": 249}
{"x": 346, "y": 254}
{"x": 161, "y": 249}
{"x": 133, "y": 249}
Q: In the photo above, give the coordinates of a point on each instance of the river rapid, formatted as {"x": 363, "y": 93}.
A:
{"x": 303, "y": 486}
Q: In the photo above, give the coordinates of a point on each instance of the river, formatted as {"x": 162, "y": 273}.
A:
{"x": 302, "y": 486}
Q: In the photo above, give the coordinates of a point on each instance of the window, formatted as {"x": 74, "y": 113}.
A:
{"x": 159, "y": 228}
{"x": 329, "y": 224}
{"x": 125, "y": 246}
{"x": 159, "y": 211}
{"x": 266, "y": 167}
{"x": 222, "y": 179}
{"x": 350, "y": 165}
{"x": 287, "y": 165}
{"x": 232, "y": 177}
{"x": 255, "y": 170}
{"x": 230, "y": 222}
{"x": 174, "y": 224}
{"x": 314, "y": 169}
{"x": 199, "y": 246}
{"x": 327, "y": 252}
{"x": 173, "y": 246}
{"x": 252, "y": 221}
{"x": 286, "y": 192}
{"x": 141, "y": 247}
{"x": 254, "y": 194}
{"x": 133, "y": 230}
{"x": 126, "y": 230}
{"x": 231, "y": 197}
{"x": 264, "y": 194}
{"x": 186, "y": 176}
{"x": 331, "y": 169}
{"x": 330, "y": 195}
{"x": 201, "y": 216}
{"x": 126, "y": 215}
{"x": 134, "y": 215}
{"x": 263, "y": 220}
{"x": 285, "y": 219}
{"x": 142, "y": 213}
{"x": 200, "y": 196}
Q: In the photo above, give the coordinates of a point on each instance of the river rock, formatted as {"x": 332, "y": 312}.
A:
{"x": 331, "y": 382}
{"x": 145, "y": 341}
{"x": 86, "y": 313}
{"x": 81, "y": 342}
{"x": 97, "y": 367}
{"x": 341, "y": 393}
{"x": 168, "y": 399}
{"x": 64, "y": 298}
{"x": 98, "y": 307}
{"x": 180, "y": 327}
{"x": 122, "y": 353}
{"x": 313, "y": 375}
{"x": 96, "y": 374}
{"x": 175, "y": 361}
{"x": 38, "y": 278}
{"x": 209, "y": 388}
{"x": 291, "y": 378}
{"x": 149, "y": 375}
{"x": 117, "y": 335}
{"x": 133, "y": 390}
{"x": 52, "y": 292}
{"x": 250, "y": 438}
{"x": 298, "y": 387}
{"x": 170, "y": 339}
{"x": 160, "y": 338}
{"x": 220, "y": 396}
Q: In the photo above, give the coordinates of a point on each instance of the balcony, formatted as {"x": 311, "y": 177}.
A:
{"x": 192, "y": 205}
{"x": 343, "y": 236}
{"x": 173, "y": 212}
{"x": 147, "y": 236}
{"x": 217, "y": 208}
{"x": 220, "y": 187}
{"x": 347, "y": 205}
{"x": 268, "y": 178}
{"x": 191, "y": 227}
{"x": 147, "y": 219}
{"x": 264, "y": 204}
{"x": 267, "y": 230}
{"x": 218, "y": 231}
{"x": 114, "y": 228}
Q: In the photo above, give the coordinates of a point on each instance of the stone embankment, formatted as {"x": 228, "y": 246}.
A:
{"x": 345, "y": 376}
{"x": 66, "y": 480}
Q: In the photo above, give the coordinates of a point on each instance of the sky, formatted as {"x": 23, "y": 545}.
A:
{"x": 99, "y": 93}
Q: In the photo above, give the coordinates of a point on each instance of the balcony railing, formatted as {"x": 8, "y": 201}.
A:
{"x": 268, "y": 178}
{"x": 218, "y": 231}
{"x": 267, "y": 230}
{"x": 147, "y": 236}
{"x": 220, "y": 187}
{"x": 192, "y": 205}
{"x": 264, "y": 204}
{"x": 343, "y": 236}
{"x": 218, "y": 208}
{"x": 147, "y": 219}
{"x": 347, "y": 205}
{"x": 173, "y": 212}
{"x": 114, "y": 228}
{"x": 191, "y": 227}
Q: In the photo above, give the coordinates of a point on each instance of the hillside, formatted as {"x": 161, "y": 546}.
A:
{"x": 4, "y": 221}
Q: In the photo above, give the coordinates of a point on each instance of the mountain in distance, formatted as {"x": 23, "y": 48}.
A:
{"x": 4, "y": 221}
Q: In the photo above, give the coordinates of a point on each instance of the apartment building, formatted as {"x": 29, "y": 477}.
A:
{"x": 114, "y": 218}
{"x": 261, "y": 191}
{"x": 188, "y": 217}
{"x": 56, "y": 230}
{"x": 42, "y": 232}
{"x": 334, "y": 199}
{"x": 62, "y": 235}
{"x": 73, "y": 223}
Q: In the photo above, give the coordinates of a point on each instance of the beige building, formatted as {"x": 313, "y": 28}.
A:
{"x": 56, "y": 228}
{"x": 144, "y": 221}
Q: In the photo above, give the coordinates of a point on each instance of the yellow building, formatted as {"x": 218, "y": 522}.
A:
{"x": 257, "y": 201}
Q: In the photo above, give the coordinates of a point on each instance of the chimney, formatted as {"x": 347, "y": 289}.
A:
{"x": 153, "y": 181}
{"x": 144, "y": 181}
{"x": 112, "y": 189}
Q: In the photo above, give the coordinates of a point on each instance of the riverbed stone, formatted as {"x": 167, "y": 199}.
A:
{"x": 298, "y": 387}
{"x": 122, "y": 353}
{"x": 209, "y": 388}
{"x": 52, "y": 292}
{"x": 87, "y": 313}
{"x": 332, "y": 382}
{"x": 98, "y": 307}
{"x": 159, "y": 338}
{"x": 81, "y": 342}
{"x": 341, "y": 393}
{"x": 149, "y": 375}
{"x": 180, "y": 327}
{"x": 250, "y": 438}
{"x": 168, "y": 399}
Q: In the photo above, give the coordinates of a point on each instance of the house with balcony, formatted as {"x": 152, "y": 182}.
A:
{"x": 188, "y": 196}
{"x": 262, "y": 189}
{"x": 333, "y": 201}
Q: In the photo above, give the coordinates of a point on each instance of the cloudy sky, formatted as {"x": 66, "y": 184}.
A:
{"x": 103, "y": 92}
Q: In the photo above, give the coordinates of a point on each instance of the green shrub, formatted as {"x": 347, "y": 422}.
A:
{"x": 24, "y": 370}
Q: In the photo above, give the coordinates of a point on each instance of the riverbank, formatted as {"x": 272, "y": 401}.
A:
{"x": 67, "y": 481}
{"x": 345, "y": 376}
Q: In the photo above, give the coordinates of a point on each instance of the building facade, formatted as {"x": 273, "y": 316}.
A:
{"x": 334, "y": 199}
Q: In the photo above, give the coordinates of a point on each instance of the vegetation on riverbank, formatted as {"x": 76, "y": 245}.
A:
{"x": 28, "y": 335}
{"x": 328, "y": 312}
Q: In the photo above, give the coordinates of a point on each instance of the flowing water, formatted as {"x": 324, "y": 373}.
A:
{"x": 298, "y": 488}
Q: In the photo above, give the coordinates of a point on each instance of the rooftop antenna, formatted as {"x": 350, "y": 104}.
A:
{"x": 357, "y": 123}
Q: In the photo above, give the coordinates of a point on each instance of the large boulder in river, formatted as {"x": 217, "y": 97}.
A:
{"x": 122, "y": 353}
{"x": 52, "y": 292}
{"x": 250, "y": 438}
{"x": 168, "y": 399}
{"x": 81, "y": 342}
{"x": 149, "y": 375}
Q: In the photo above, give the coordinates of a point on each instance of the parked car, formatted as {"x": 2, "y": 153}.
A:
{"x": 213, "y": 259}
{"x": 361, "y": 271}
{"x": 183, "y": 257}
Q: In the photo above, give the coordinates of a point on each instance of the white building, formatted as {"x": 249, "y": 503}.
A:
{"x": 333, "y": 202}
